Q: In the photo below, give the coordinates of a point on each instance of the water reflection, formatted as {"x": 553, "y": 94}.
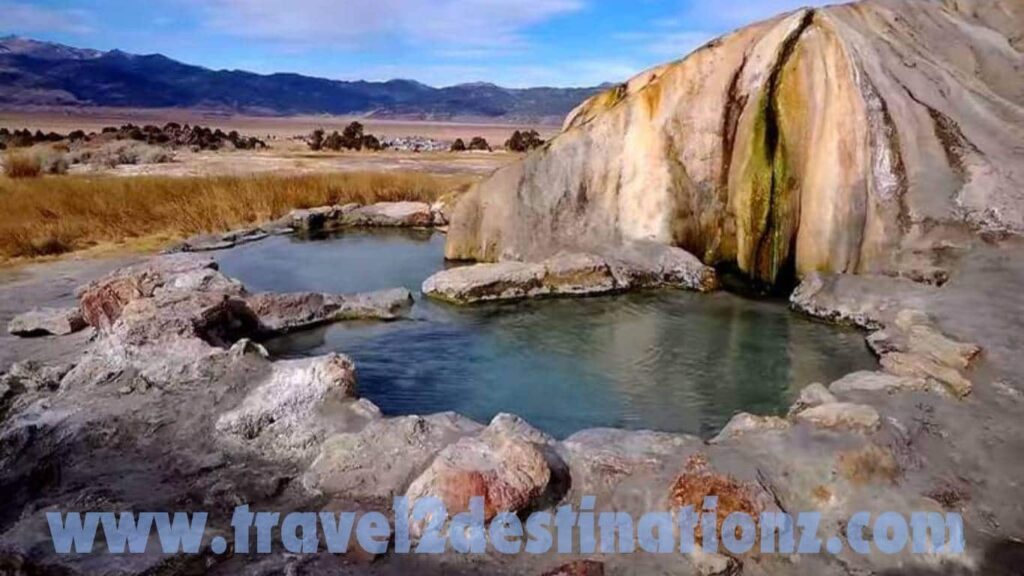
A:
{"x": 665, "y": 360}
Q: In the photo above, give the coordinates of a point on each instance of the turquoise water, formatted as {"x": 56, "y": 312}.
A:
{"x": 664, "y": 360}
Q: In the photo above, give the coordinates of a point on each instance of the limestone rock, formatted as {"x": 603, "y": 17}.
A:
{"x": 213, "y": 317}
{"x": 47, "y": 321}
{"x": 380, "y": 461}
{"x": 914, "y": 366}
{"x": 842, "y": 416}
{"x": 282, "y": 313}
{"x": 912, "y": 346}
{"x": 319, "y": 218}
{"x": 213, "y": 242}
{"x": 851, "y": 139}
{"x": 642, "y": 264}
{"x": 441, "y": 212}
{"x": 865, "y": 381}
{"x": 812, "y": 396}
{"x": 924, "y": 339}
{"x": 710, "y": 564}
{"x": 35, "y": 377}
{"x": 279, "y": 415}
{"x": 573, "y": 273}
{"x": 744, "y": 423}
{"x": 391, "y": 214}
{"x": 603, "y": 459}
{"x": 483, "y": 282}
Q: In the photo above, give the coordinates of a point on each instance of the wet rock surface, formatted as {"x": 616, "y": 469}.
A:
{"x": 573, "y": 274}
{"x": 283, "y": 313}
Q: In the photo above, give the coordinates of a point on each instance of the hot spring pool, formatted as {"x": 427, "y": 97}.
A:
{"x": 664, "y": 360}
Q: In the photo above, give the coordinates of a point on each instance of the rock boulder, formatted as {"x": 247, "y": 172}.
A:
{"x": 47, "y": 322}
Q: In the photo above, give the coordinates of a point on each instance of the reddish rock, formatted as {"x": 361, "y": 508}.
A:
{"x": 509, "y": 473}
{"x": 578, "y": 568}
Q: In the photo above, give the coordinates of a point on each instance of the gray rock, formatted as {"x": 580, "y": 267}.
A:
{"x": 842, "y": 416}
{"x": 47, "y": 322}
{"x": 711, "y": 564}
{"x": 911, "y": 346}
{"x": 876, "y": 382}
{"x": 316, "y": 219}
{"x": 441, "y": 212}
{"x": 35, "y": 377}
{"x": 279, "y": 417}
{"x": 617, "y": 466}
{"x": 922, "y": 367}
{"x": 811, "y": 396}
{"x": 483, "y": 282}
{"x": 380, "y": 461}
{"x": 282, "y": 313}
{"x": 653, "y": 265}
{"x": 743, "y": 423}
{"x": 214, "y": 242}
{"x": 572, "y": 273}
{"x": 391, "y": 214}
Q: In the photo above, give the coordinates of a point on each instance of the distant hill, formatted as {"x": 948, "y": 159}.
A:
{"x": 49, "y": 74}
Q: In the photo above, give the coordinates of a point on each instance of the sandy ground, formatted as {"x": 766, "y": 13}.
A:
{"x": 268, "y": 127}
{"x": 50, "y": 284}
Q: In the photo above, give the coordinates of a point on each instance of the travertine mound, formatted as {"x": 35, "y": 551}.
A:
{"x": 864, "y": 138}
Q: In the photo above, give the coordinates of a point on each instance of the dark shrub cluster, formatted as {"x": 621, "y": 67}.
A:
{"x": 479, "y": 143}
{"x": 458, "y": 146}
{"x": 353, "y": 137}
{"x": 196, "y": 137}
{"x": 524, "y": 141}
{"x": 25, "y": 138}
{"x": 171, "y": 134}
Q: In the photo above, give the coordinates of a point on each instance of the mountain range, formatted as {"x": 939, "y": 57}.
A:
{"x": 35, "y": 73}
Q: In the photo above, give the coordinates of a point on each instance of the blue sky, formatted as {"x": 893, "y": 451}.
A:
{"x": 439, "y": 42}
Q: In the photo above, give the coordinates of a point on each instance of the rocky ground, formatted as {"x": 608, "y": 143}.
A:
{"x": 900, "y": 212}
{"x": 167, "y": 401}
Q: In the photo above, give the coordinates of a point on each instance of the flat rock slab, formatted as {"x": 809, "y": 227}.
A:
{"x": 47, "y": 322}
{"x": 381, "y": 214}
{"x": 573, "y": 274}
{"x": 283, "y": 313}
{"x": 865, "y": 381}
{"x": 213, "y": 242}
{"x": 743, "y": 423}
{"x": 842, "y": 416}
{"x": 391, "y": 214}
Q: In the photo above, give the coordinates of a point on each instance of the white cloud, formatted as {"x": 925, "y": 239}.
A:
{"x": 471, "y": 25}
{"x": 26, "y": 18}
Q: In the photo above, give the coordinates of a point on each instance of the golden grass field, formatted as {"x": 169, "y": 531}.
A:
{"x": 53, "y": 215}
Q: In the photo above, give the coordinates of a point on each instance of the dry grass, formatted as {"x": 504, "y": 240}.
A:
{"x": 48, "y": 216}
{"x": 22, "y": 165}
